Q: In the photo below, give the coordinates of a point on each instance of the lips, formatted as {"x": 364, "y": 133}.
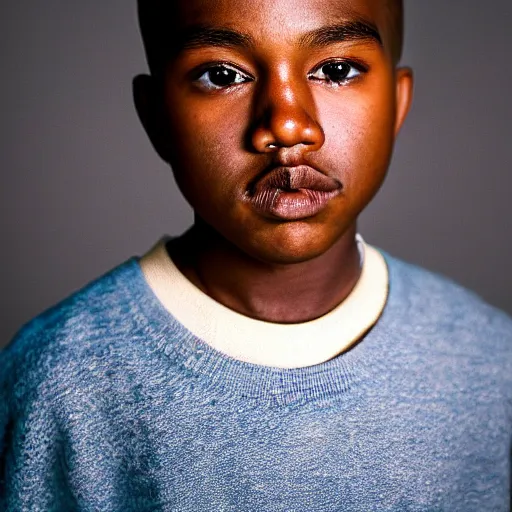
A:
{"x": 292, "y": 193}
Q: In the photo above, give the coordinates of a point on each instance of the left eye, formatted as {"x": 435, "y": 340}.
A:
{"x": 220, "y": 77}
{"x": 336, "y": 72}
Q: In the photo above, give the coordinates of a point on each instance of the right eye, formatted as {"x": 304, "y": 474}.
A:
{"x": 220, "y": 77}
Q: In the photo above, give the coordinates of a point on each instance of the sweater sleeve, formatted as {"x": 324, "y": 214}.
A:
{"x": 32, "y": 465}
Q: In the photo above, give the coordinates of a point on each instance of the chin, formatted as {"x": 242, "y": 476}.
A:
{"x": 291, "y": 243}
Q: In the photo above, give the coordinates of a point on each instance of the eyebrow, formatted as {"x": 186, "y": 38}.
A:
{"x": 351, "y": 31}
{"x": 200, "y": 36}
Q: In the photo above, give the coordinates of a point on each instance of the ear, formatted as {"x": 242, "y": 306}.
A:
{"x": 404, "y": 94}
{"x": 149, "y": 107}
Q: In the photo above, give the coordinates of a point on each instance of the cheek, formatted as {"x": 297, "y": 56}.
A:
{"x": 207, "y": 155}
{"x": 358, "y": 126}
{"x": 207, "y": 130}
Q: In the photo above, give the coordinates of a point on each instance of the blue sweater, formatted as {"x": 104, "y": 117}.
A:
{"x": 109, "y": 404}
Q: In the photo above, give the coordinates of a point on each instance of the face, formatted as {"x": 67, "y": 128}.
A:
{"x": 279, "y": 118}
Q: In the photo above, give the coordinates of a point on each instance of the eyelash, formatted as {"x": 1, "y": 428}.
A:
{"x": 357, "y": 67}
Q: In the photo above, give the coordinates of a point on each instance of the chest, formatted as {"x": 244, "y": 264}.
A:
{"x": 374, "y": 452}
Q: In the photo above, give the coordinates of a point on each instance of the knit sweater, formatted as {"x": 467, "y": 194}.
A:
{"x": 108, "y": 403}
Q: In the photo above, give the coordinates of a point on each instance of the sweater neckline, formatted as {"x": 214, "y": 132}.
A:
{"x": 223, "y": 376}
{"x": 264, "y": 343}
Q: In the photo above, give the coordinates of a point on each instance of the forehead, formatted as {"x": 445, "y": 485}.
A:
{"x": 262, "y": 18}
{"x": 295, "y": 9}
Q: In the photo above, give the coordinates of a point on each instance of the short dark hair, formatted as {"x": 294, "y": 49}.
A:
{"x": 154, "y": 16}
{"x": 396, "y": 21}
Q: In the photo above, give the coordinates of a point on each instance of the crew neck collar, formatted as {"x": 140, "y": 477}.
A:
{"x": 285, "y": 346}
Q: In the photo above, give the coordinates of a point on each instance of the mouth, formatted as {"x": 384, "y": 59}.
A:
{"x": 292, "y": 193}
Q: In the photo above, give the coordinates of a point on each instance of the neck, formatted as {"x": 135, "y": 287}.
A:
{"x": 280, "y": 293}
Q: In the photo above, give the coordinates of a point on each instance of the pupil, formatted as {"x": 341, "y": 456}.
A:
{"x": 336, "y": 72}
{"x": 222, "y": 76}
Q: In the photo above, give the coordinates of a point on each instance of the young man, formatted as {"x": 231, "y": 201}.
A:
{"x": 268, "y": 359}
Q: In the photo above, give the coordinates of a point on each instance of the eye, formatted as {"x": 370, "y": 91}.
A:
{"x": 338, "y": 72}
{"x": 221, "y": 76}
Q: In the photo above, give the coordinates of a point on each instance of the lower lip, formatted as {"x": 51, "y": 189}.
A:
{"x": 292, "y": 205}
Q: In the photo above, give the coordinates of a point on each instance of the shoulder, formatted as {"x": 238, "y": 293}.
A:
{"x": 427, "y": 302}
{"x": 51, "y": 347}
{"x": 429, "y": 291}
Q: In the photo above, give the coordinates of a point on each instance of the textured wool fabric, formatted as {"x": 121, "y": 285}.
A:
{"x": 109, "y": 404}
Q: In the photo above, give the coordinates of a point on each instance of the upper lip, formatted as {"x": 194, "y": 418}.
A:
{"x": 290, "y": 178}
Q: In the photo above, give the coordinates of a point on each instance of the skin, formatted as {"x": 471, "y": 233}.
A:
{"x": 285, "y": 110}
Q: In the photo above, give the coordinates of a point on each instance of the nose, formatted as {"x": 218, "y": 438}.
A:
{"x": 285, "y": 115}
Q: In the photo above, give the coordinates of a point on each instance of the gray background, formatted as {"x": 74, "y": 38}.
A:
{"x": 82, "y": 190}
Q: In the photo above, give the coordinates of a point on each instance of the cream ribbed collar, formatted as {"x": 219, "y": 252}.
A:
{"x": 266, "y": 343}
